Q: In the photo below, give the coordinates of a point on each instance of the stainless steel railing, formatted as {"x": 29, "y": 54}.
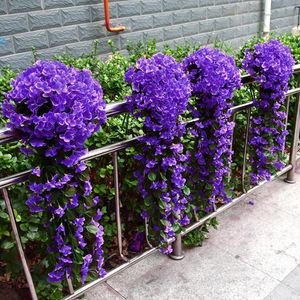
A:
{"x": 7, "y": 136}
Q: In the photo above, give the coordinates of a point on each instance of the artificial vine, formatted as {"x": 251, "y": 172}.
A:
{"x": 160, "y": 93}
{"x": 54, "y": 109}
{"x": 213, "y": 76}
{"x": 271, "y": 65}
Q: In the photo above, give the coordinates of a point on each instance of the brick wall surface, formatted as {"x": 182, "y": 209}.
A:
{"x": 57, "y": 26}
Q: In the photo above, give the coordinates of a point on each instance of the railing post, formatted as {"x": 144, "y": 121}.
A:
{"x": 19, "y": 244}
{"x": 294, "y": 147}
{"x": 177, "y": 253}
{"x": 117, "y": 205}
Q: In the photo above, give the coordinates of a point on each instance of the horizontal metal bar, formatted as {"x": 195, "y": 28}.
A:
{"x": 109, "y": 149}
{"x": 6, "y": 136}
{"x": 296, "y": 68}
{"x": 22, "y": 176}
{"x": 111, "y": 273}
{"x": 233, "y": 202}
{"x": 112, "y": 109}
{"x": 241, "y": 107}
{"x": 292, "y": 92}
{"x": 14, "y": 179}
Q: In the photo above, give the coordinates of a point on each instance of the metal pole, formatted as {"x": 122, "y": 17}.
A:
{"x": 19, "y": 244}
{"x": 117, "y": 204}
{"x": 245, "y": 150}
{"x": 267, "y": 18}
{"x": 177, "y": 253}
{"x": 294, "y": 147}
{"x": 70, "y": 284}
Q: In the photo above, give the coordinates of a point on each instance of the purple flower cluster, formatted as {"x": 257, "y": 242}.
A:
{"x": 52, "y": 102}
{"x": 160, "y": 93}
{"x": 213, "y": 76}
{"x": 54, "y": 109}
{"x": 271, "y": 65}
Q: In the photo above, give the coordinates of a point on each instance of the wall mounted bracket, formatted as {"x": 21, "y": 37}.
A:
{"x": 107, "y": 19}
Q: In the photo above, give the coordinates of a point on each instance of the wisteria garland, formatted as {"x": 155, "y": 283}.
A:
{"x": 213, "y": 76}
{"x": 160, "y": 93}
{"x": 54, "y": 109}
{"x": 271, "y": 65}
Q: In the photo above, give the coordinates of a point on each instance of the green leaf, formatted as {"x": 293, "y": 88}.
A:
{"x": 162, "y": 204}
{"x": 177, "y": 228}
{"x": 4, "y": 215}
{"x": 24, "y": 239}
{"x": 17, "y": 216}
{"x": 24, "y": 226}
{"x": 7, "y": 245}
{"x": 92, "y": 229}
{"x": 163, "y": 177}
{"x": 152, "y": 176}
{"x": 148, "y": 201}
{"x": 70, "y": 192}
{"x": 186, "y": 190}
{"x": 164, "y": 222}
{"x": 33, "y": 235}
{"x": 33, "y": 228}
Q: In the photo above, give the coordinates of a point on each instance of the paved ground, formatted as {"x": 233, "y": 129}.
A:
{"x": 254, "y": 255}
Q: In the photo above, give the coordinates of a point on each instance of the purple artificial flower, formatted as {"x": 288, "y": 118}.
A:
{"x": 73, "y": 201}
{"x": 36, "y": 171}
{"x": 160, "y": 93}
{"x": 59, "y": 212}
{"x": 78, "y": 223}
{"x": 81, "y": 167}
{"x": 270, "y": 64}
{"x": 55, "y": 109}
{"x": 214, "y": 77}
{"x": 87, "y": 188}
{"x": 87, "y": 260}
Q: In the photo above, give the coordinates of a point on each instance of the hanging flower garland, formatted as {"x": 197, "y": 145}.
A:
{"x": 54, "y": 109}
{"x": 271, "y": 65}
{"x": 160, "y": 92}
{"x": 213, "y": 76}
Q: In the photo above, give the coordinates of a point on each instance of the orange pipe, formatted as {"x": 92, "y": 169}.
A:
{"x": 107, "y": 19}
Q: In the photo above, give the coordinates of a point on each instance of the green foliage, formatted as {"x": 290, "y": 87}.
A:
{"x": 199, "y": 235}
{"x": 180, "y": 51}
{"x": 110, "y": 74}
{"x": 140, "y": 50}
{"x": 6, "y": 75}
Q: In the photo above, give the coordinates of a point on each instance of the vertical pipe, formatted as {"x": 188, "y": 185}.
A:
{"x": 245, "y": 150}
{"x": 70, "y": 284}
{"x": 294, "y": 147}
{"x": 231, "y": 147}
{"x": 267, "y": 18}
{"x": 177, "y": 253}
{"x": 19, "y": 244}
{"x": 286, "y": 120}
{"x": 117, "y": 205}
{"x": 147, "y": 234}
